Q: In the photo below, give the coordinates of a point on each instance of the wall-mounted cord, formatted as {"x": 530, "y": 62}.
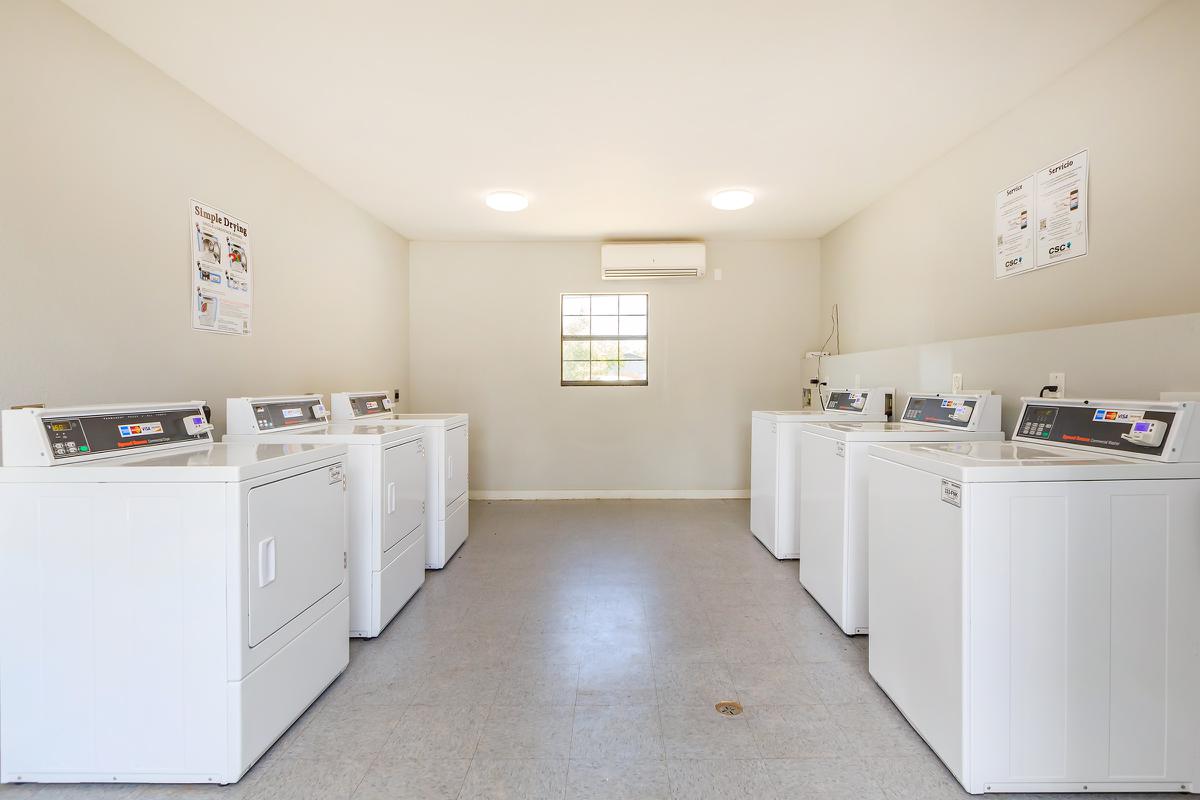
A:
{"x": 1045, "y": 389}
{"x": 835, "y": 334}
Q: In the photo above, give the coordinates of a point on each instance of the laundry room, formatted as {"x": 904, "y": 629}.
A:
{"x": 409, "y": 401}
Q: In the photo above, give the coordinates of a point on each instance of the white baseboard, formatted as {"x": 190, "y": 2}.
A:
{"x": 610, "y": 494}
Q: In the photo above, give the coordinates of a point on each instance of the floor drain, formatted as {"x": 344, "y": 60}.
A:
{"x": 730, "y": 708}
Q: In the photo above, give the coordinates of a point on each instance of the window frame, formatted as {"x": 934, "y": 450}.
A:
{"x": 563, "y": 338}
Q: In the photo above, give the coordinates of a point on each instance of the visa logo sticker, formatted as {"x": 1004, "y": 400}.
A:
{"x": 952, "y": 493}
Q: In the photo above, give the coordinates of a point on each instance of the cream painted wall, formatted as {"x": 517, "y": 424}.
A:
{"x": 485, "y": 340}
{"x": 916, "y": 266}
{"x": 99, "y": 155}
{"x": 1132, "y": 359}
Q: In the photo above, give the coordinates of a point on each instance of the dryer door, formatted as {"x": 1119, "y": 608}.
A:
{"x": 403, "y": 491}
{"x": 456, "y": 463}
{"x": 296, "y": 542}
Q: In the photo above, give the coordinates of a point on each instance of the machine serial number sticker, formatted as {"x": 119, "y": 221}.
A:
{"x": 336, "y": 474}
{"x": 841, "y": 449}
{"x": 952, "y": 493}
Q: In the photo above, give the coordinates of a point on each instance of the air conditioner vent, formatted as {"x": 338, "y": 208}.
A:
{"x": 632, "y": 261}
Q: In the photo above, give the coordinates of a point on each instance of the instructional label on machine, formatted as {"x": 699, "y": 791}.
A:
{"x": 222, "y": 289}
{"x": 1014, "y": 229}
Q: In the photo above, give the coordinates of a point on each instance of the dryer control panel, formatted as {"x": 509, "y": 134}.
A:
{"x": 44, "y": 436}
{"x": 1143, "y": 429}
{"x": 359, "y": 405}
{"x": 269, "y": 414}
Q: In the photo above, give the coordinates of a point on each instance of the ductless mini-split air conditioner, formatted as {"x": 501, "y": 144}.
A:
{"x": 625, "y": 261}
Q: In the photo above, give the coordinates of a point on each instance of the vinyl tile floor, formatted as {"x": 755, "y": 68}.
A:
{"x": 575, "y": 650}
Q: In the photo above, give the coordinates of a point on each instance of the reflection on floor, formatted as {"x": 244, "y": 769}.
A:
{"x": 575, "y": 649}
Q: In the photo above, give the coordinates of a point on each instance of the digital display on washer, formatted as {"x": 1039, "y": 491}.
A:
{"x": 1107, "y": 428}
{"x": 847, "y": 401}
{"x": 72, "y": 437}
{"x": 286, "y": 413}
{"x": 365, "y": 405}
{"x": 951, "y": 412}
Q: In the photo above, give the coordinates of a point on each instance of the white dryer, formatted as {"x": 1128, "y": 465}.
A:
{"x": 385, "y": 468}
{"x": 833, "y": 491}
{"x": 447, "y": 437}
{"x": 168, "y": 606}
{"x": 1034, "y": 603}
{"x": 774, "y": 459}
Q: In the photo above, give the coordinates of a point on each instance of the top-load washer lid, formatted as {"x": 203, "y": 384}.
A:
{"x": 994, "y": 462}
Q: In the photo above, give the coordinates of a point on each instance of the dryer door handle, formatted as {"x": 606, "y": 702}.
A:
{"x": 266, "y": 561}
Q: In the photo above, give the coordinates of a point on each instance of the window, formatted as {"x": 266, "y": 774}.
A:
{"x": 604, "y": 339}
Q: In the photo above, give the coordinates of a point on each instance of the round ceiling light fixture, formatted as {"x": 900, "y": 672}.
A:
{"x": 732, "y": 199}
{"x": 506, "y": 201}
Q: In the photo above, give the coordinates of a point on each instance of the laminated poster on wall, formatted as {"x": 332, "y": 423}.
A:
{"x": 1014, "y": 229}
{"x": 222, "y": 296}
{"x": 1061, "y": 203}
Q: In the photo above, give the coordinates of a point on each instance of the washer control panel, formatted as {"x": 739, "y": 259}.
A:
{"x": 76, "y": 436}
{"x": 854, "y": 402}
{"x": 950, "y": 412}
{"x": 1120, "y": 426}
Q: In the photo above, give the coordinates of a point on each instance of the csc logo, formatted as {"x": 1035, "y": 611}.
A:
{"x": 1012, "y": 262}
{"x": 1059, "y": 249}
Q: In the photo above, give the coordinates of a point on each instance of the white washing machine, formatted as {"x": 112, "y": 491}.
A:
{"x": 774, "y": 459}
{"x": 1034, "y": 603}
{"x": 833, "y": 491}
{"x": 385, "y": 469}
{"x": 447, "y": 437}
{"x": 168, "y": 606}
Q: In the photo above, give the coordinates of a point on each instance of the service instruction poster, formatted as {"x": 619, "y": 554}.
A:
{"x": 1062, "y": 216}
{"x": 1014, "y": 229}
{"x": 222, "y": 288}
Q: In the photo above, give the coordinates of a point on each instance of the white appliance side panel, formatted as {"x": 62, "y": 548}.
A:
{"x": 364, "y": 520}
{"x": 1140, "y": 614}
{"x": 763, "y": 477}
{"x": 457, "y": 465}
{"x": 916, "y": 603}
{"x": 403, "y": 493}
{"x": 1083, "y": 656}
{"x": 857, "y": 576}
{"x": 786, "y": 486}
{"x": 112, "y": 614}
{"x": 823, "y": 518}
{"x": 295, "y": 547}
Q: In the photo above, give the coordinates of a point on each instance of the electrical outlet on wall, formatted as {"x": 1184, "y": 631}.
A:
{"x": 956, "y": 383}
{"x": 1058, "y": 379}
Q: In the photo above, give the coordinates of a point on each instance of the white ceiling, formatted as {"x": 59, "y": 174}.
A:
{"x": 618, "y": 118}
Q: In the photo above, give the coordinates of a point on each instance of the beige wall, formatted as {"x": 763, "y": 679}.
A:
{"x": 1133, "y": 359}
{"x": 916, "y": 266}
{"x": 485, "y": 340}
{"x": 99, "y": 154}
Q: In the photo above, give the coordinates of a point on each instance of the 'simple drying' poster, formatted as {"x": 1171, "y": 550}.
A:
{"x": 222, "y": 284}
